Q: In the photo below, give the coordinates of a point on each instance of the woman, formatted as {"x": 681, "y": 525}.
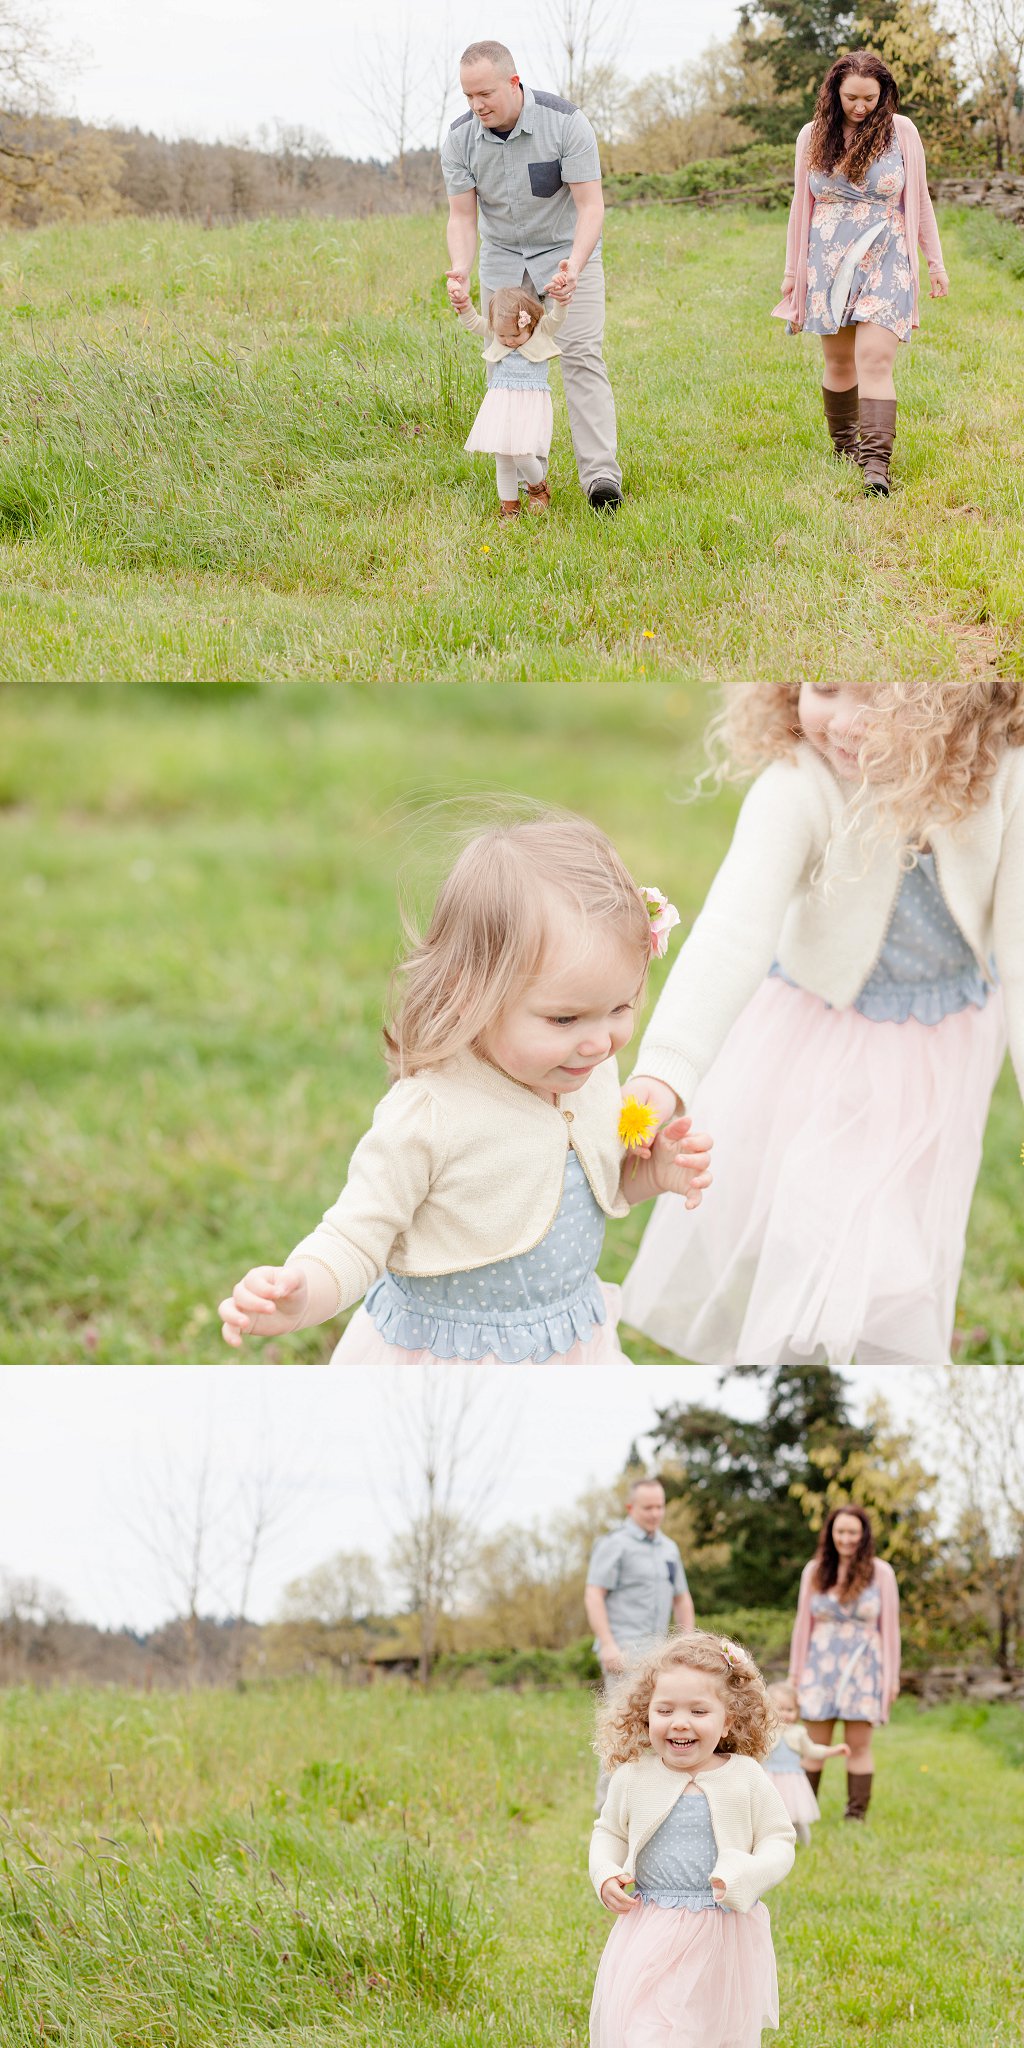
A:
{"x": 860, "y": 208}
{"x": 845, "y": 1655}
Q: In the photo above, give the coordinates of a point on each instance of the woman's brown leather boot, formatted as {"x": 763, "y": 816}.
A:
{"x": 858, "y": 1794}
{"x": 877, "y": 434}
{"x": 842, "y": 417}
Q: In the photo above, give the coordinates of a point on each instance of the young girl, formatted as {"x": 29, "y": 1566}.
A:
{"x": 474, "y": 1209}
{"x": 785, "y": 1761}
{"x": 860, "y": 209}
{"x": 835, "y": 1016}
{"x": 693, "y": 1822}
{"x": 514, "y": 423}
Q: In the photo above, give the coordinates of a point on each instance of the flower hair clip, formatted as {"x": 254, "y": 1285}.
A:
{"x": 664, "y": 917}
{"x": 728, "y": 1652}
{"x": 523, "y": 319}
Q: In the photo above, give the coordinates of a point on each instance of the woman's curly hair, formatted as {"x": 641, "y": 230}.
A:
{"x": 831, "y": 1570}
{"x": 928, "y": 753}
{"x": 622, "y": 1719}
{"x": 827, "y": 150}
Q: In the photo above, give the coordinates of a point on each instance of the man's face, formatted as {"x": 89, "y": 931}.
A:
{"x": 647, "y": 1508}
{"x": 496, "y": 101}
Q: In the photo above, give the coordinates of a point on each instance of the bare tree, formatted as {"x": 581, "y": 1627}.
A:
{"x": 206, "y": 1533}
{"x": 450, "y": 1450}
{"x": 980, "y": 1413}
{"x": 407, "y": 91}
{"x": 991, "y": 36}
{"x": 582, "y": 34}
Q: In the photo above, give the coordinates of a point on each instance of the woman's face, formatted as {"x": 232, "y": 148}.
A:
{"x": 858, "y": 98}
{"x": 846, "y": 1535}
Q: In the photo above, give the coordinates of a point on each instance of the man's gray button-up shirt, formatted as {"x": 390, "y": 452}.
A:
{"x": 527, "y": 213}
{"x": 641, "y": 1576}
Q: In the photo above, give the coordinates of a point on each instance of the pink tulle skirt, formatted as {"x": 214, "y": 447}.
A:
{"x": 846, "y": 1154}
{"x": 512, "y": 423}
{"x": 797, "y": 1797}
{"x": 362, "y": 1343}
{"x": 673, "y": 1979}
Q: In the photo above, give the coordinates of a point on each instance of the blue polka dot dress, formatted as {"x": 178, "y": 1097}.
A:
{"x": 547, "y": 1305}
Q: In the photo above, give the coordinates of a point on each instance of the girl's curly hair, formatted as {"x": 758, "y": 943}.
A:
{"x": 827, "y": 147}
{"x": 927, "y": 755}
{"x": 832, "y": 1570}
{"x": 622, "y": 1719}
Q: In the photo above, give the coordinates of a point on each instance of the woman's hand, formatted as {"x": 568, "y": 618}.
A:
{"x": 268, "y": 1302}
{"x": 940, "y": 283}
{"x": 615, "y": 1896}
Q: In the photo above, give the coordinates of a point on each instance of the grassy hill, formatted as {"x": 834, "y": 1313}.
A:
{"x": 238, "y": 453}
{"x": 199, "y": 922}
{"x": 331, "y": 1869}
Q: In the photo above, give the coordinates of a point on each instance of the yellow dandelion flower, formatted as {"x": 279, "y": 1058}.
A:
{"x": 485, "y": 550}
{"x": 637, "y": 1122}
{"x": 647, "y": 634}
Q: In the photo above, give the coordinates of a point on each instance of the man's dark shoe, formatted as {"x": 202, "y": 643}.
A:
{"x": 604, "y": 495}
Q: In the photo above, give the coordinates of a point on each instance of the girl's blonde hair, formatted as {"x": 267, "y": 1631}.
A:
{"x": 492, "y": 924}
{"x": 508, "y": 302}
{"x": 928, "y": 753}
{"x": 622, "y": 1721}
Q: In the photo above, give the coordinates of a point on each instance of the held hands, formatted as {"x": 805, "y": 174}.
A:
{"x": 564, "y": 282}
{"x": 458, "y": 289}
{"x": 659, "y": 1096}
{"x": 678, "y": 1162}
{"x": 268, "y": 1302}
{"x": 615, "y": 1896}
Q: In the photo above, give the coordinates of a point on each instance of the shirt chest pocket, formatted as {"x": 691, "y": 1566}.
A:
{"x": 545, "y": 179}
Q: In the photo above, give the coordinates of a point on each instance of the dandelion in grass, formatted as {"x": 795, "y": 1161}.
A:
{"x": 637, "y": 1122}
{"x": 647, "y": 634}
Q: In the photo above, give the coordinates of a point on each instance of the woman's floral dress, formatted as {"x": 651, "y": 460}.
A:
{"x": 858, "y": 266}
{"x": 842, "y": 1678}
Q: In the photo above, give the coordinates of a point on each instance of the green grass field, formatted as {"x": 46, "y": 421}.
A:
{"x": 238, "y": 453}
{"x": 321, "y": 1867}
{"x": 198, "y": 926}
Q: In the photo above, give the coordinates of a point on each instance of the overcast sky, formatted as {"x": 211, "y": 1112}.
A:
{"x": 221, "y": 68}
{"x": 85, "y": 1450}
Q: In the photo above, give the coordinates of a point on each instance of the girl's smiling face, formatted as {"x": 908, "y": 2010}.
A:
{"x": 687, "y": 1717}
{"x": 832, "y": 722}
{"x": 574, "y": 1015}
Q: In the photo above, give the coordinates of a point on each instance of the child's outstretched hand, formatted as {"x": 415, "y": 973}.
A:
{"x": 677, "y": 1163}
{"x": 268, "y": 1302}
{"x": 615, "y": 1896}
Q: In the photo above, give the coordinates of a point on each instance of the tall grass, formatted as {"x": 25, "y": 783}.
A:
{"x": 192, "y": 1871}
{"x": 238, "y": 454}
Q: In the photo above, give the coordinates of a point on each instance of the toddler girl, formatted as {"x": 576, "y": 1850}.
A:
{"x": 836, "y": 1017}
{"x": 474, "y": 1209}
{"x": 785, "y": 1761}
{"x": 694, "y": 1823}
{"x": 514, "y": 423}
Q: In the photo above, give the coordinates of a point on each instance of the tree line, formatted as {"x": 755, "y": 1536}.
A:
{"x": 746, "y": 1499}
{"x": 960, "y": 72}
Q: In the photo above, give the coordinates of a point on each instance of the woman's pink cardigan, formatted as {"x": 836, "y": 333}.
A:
{"x": 888, "y": 1623}
{"x": 918, "y": 210}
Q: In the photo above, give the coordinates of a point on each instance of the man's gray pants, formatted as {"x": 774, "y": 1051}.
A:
{"x": 588, "y": 393}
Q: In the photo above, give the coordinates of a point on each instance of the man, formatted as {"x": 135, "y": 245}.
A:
{"x": 528, "y": 164}
{"x": 636, "y": 1586}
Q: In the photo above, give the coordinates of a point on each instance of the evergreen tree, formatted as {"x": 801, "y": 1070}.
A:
{"x": 752, "y": 1533}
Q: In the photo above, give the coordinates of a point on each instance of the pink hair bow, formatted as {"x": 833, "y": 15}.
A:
{"x": 664, "y": 917}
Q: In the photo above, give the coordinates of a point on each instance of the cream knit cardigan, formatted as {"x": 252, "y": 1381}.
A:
{"x": 827, "y": 933}
{"x": 463, "y": 1166}
{"x": 752, "y": 1829}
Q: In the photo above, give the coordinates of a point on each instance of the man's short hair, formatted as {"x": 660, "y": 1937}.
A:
{"x": 651, "y": 1480}
{"x": 489, "y": 53}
